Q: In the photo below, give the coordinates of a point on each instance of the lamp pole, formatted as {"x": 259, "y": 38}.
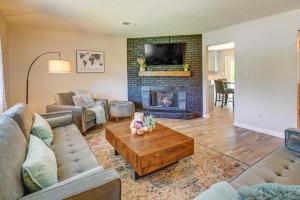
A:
{"x": 27, "y": 80}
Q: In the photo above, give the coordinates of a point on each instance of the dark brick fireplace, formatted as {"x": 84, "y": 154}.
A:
{"x": 167, "y": 97}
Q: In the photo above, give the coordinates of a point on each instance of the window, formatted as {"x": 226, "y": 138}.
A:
{"x": 2, "y": 88}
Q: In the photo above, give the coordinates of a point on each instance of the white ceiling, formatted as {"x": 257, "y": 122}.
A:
{"x": 152, "y": 17}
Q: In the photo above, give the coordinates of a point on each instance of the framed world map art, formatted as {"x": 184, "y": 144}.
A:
{"x": 90, "y": 61}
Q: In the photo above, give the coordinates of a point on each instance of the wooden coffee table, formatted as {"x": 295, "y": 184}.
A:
{"x": 151, "y": 151}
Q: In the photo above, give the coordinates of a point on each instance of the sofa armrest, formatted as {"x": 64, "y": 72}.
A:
{"x": 59, "y": 121}
{"x": 50, "y": 115}
{"x": 94, "y": 184}
{"x": 78, "y": 114}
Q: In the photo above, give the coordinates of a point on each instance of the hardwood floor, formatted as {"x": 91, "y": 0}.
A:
{"x": 219, "y": 134}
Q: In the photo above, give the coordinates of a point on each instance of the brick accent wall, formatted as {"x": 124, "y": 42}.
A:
{"x": 192, "y": 56}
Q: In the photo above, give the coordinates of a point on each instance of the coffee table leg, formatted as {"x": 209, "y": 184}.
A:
{"x": 136, "y": 176}
{"x": 116, "y": 153}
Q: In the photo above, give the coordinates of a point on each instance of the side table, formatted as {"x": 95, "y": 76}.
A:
{"x": 292, "y": 139}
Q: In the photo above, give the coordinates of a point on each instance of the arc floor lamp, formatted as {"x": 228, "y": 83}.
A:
{"x": 54, "y": 66}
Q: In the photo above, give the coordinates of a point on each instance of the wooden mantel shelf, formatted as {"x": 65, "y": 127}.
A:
{"x": 165, "y": 73}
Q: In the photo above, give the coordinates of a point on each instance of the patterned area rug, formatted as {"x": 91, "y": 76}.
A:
{"x": 182, "y": 180}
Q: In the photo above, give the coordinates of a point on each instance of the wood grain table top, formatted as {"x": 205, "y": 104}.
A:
{"x": 151, "y": 151}
{"x": 160, "y": 138}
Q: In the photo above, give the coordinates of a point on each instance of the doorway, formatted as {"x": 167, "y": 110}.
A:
{"x": 221, "y": 77}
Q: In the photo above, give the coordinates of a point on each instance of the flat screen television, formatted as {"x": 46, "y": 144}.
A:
{"x": 164, "y": 54}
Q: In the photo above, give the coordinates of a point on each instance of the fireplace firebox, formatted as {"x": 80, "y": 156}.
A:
{"x": 163, "y": 98}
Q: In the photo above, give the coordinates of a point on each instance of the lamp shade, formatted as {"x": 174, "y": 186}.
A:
{"x": 59, "y": 66}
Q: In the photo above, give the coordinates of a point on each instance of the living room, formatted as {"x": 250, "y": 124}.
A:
{"x": 152, "y": 131}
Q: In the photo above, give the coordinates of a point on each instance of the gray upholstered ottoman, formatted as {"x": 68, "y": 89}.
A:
{"x": 121, "y": 109}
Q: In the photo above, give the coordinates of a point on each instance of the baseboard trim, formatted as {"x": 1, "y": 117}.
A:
{"x": 258, "y": 129}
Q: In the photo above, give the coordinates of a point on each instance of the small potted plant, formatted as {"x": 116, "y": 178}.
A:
{"x": 186, "y": 67}
{"x": 149, "y": 122}
{"x": 141, "y": 62}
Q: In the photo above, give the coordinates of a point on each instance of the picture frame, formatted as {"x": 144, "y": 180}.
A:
{"x": 88, "y": 61}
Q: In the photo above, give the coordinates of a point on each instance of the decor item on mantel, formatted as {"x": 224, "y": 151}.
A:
{"x": 186, "y": 67}
{"x": 90, "y": 61}
{"x": 141, "y": 62}
{"x": 166, "y": 73}
{"x": 140, "y": 124}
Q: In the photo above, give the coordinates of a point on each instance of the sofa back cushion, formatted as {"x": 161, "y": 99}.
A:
{"x": 64, "y": 98}
{"x": 13, "y": 151}
{"x": 23, "y": 116}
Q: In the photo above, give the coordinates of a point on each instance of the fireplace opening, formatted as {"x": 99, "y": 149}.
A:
{"x": 163, "y": 98}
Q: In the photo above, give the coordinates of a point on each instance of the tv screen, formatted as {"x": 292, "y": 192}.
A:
{"x": 164, "y": 54}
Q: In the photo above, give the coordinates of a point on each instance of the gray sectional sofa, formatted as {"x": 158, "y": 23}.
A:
{"x": 80, "y": 175}
{"x": 281, "y": 166}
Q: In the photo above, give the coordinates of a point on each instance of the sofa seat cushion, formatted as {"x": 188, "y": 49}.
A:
{"x": 73, "y": 155}
{"x": 90, "y": 115}
{"x": 281, "y": 167}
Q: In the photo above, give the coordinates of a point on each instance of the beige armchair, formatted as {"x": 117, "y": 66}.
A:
{"x": 82, "y": 117}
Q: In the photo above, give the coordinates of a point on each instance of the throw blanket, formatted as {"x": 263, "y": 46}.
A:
{"x": 268, "y": 191}
{"x": 100, "y": 114}
{"x": 263, "y": 191}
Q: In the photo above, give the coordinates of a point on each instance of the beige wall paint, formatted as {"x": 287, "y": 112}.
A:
{"x": 266, "y": 71}
{"x": 26, "y": 43}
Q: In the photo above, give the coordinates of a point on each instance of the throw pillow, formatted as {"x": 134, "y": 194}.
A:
{"x": 84, "y": 100}
{"x": 42, "y": 129}
{"x": 219, "y": 191}
{"x": 39, "y": 169}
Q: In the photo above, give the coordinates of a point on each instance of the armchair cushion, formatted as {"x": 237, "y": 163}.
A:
{"x": 42, "y": 129}
{"x": 90, "y": 115}
{"x": 64, "y": 98}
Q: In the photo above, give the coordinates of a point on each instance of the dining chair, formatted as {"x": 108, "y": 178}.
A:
{"x": 223, "y": 92}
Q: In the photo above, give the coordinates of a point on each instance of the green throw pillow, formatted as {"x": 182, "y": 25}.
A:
{"x": 42, "y": 129}
{"x": 39, "y": 169}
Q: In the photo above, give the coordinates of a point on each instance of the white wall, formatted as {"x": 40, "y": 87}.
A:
{"x": 26, "y": 43}
{"x": 266, "y": 71}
